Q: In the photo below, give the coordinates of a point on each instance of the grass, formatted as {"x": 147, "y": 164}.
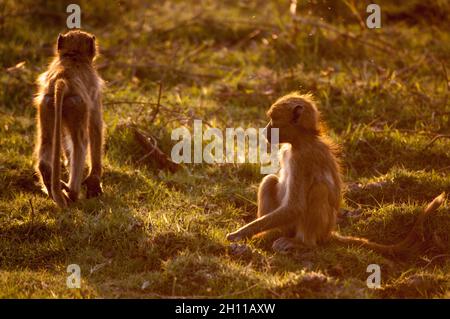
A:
{"x": 384, "y": 94}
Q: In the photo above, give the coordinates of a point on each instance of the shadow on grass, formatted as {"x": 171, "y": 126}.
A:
{"x": 385, "y": 152}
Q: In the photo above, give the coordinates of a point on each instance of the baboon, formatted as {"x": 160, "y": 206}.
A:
{"x": 70, "y": 113}
{"x": 303, "y": 199}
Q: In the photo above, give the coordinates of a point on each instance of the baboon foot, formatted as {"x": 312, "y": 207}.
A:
{"x": 93, "y": 186}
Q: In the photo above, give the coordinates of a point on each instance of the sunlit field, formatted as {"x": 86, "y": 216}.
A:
{"x": 384, "y": 94}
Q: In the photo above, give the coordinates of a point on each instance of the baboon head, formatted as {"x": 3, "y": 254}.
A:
{"x": 76, "y": 44}
{"x": 295, "y": 115}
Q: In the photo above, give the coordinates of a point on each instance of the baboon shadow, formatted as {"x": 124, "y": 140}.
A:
{"x": 54, "y": 237}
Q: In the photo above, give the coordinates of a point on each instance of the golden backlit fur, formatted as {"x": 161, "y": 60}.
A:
{"x": 303, "y": 199}
{"x": 70, "y": 113}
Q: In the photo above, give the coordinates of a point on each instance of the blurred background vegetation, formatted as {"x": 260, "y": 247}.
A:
{"x": 383, "y": 93}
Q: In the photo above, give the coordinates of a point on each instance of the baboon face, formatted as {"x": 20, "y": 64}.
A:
{"x": 76, "y": 44}
{"x": 294, "y": 115}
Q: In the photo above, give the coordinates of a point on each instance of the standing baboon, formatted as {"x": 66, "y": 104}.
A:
{"x": 70, "y": 113}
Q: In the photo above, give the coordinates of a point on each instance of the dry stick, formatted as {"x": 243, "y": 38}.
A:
{"x": 163, "y": 161}
{"x": 406, "y": 70}
{"x": 155, "y": 146}
{"x": 447, "y": 82}
{"x": 162, "y": 107}
{"x": 169, "y": 68}
{"x": 32, "y": 216}
{"x": 345, "y": 34}
{"x": 434, "y": 258}
{"x": 156, "y": 110}
{"x": 194, "y": 52}
{"x": 434, "y": 139}
{"x": 246, "y": 39}
{"x": 355, "y": 12}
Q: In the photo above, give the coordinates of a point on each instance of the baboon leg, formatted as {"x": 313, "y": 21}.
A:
{"x": 67, "y": 147}
{"x": 268, "y": 200}
{"x": 93, "y": 181}
{"x": 44, "y": 144}
{"x": 321, "y": 220}
{"x": 267, "y": 195}
{"x": 76, "y": 111}
{"x": 77, "y": 160}
{"x": 280, "y": 217}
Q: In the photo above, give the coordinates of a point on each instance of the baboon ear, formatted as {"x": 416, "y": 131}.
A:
{"x": 296, "y": 113}
{"x": 60, "y": 42}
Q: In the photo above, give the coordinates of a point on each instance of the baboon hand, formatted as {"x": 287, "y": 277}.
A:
{"x": 93, "y": 185}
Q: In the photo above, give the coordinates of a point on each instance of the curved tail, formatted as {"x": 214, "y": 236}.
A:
{"x": 412, "y": 242}
{"x": 57, "y": 194}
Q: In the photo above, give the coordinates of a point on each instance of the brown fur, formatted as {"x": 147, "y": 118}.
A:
{"x": 70, "y": 113}
{"x": 303, "y": 199}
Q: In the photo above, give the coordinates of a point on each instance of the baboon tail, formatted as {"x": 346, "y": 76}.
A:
{"x": 411, "y": 243}
{"x": 57, "y": 194}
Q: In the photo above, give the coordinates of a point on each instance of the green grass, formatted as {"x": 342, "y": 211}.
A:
{"x": 153, "y": 234}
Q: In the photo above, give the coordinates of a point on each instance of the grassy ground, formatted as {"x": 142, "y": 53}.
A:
{"x": 384, "y": 94}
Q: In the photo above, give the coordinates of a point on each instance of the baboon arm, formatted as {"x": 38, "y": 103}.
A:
{"x": 279, "y": 217}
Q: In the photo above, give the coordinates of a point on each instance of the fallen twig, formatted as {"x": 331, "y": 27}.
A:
{"x": 168, "y": 68}
{"x": 156, "y": 110}
{"x": 349, "y": 35}
{"x": 434, "y": 139}
{"x": 161, "y": 159}
{"x": 434, "y": 258}
{"x": 31, "y": 215}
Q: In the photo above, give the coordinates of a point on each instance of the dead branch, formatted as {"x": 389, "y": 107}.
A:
{"x": 153, "y": 151}
{"x": 434, "y": 139}
{"x": 158, "y": 105}
{"x": 169, "y": 69}
{"x": 31, "y": 216}
{"x": 349, "y": 35}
